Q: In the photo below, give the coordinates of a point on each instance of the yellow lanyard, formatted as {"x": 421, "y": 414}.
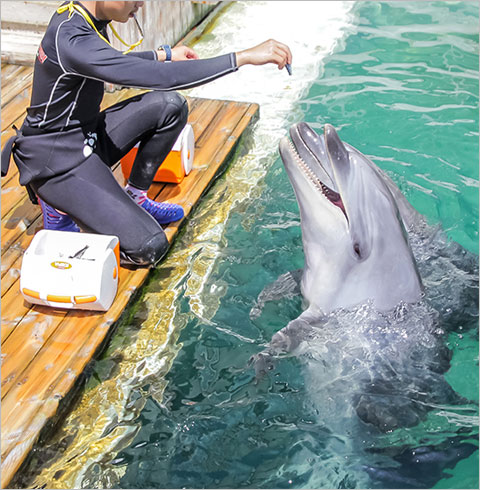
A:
{"x": 72, "y": 6}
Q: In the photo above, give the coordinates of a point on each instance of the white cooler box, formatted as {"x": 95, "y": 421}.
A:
{"x": 71, "y": 270}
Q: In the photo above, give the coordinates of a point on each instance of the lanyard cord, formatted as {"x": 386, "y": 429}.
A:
{"x": 71, "y": 7}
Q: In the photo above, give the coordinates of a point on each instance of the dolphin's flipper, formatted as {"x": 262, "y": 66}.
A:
{"x": 283, "y": 342}
{"x": 421, "y": 467}
{"x": 286, "y": 286}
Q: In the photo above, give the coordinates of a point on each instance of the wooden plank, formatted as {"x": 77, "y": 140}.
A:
{"x": 14, "y": 112}
{"x": 23, "y": 80}
{"x": 6, "y": 68}
{"x": 19, "y": 246}
{"x": 16, "y": 222}
{"x": 67, "y": 358}
{"x": 12, "y": 194}
{"x": 206, "y": 113}
{"x": 16, "y": 106}
{"x": 207, "y": 162}
{"x": 35, "y": 339}
{"x": 191, "y": 197}
{"x": 9, "y": 72}
{"x": 12, "y": 273}
{"x": 14, "y": 311}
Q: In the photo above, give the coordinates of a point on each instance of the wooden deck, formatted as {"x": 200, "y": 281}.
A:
{"x": 44, "y": 350}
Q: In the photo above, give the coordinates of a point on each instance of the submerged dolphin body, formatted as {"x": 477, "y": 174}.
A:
{"x": 373, "y": 346}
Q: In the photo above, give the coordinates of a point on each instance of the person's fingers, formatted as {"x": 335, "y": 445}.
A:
{"x": 280, "y": 54}
{"x": 191, "y": 54}
{"x": 281, "y": 57}
{"x": 286, "y": 50}
{"x": 278, "y": 60}
{"x": 182, "y": 53}
{"x": 270, "y": 51}
{"x": 286, "y": 53}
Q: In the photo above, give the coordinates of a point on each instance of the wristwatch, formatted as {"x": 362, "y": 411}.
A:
{"x": 168, "y": 51}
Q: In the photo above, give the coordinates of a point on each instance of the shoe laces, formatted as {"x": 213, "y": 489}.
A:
{"x": 52, "y": 219}
{"x": 165, "y": 208}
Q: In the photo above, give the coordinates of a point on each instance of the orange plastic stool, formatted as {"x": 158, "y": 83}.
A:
{"x": 176, "y": 166}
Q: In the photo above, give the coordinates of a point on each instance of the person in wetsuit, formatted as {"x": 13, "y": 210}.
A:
{"x": 66, "y": 146}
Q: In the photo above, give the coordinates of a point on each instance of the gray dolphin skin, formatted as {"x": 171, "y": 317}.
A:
{"x": 355, "y": 246}
{"x": 372, "y": 337}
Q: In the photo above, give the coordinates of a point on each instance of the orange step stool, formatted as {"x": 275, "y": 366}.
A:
{"x": 176, "y": 166}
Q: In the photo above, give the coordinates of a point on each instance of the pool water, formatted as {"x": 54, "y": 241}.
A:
{"x": 173, "y": 403}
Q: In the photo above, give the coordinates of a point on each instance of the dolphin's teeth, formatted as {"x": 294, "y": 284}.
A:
{"x": 309, "y": 173}
{"x": 330, "y": 195}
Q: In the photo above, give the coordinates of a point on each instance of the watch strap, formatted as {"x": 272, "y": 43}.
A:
{"x": 168, "y": 52}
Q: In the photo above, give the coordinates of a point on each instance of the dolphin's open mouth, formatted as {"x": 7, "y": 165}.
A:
{"x": 333, "y": 196}
{"x": 311, "y": 156}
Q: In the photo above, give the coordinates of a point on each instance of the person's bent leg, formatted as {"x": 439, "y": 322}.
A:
{"x": 154, "y": 120}
{"x": 172, "y": 113}
{"x": 93, "y": 198}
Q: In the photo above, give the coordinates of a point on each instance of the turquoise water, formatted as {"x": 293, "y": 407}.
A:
{"x": 404, "y": 90}
{"x": 407, "y": 95}
{"x": 399, "y": 81}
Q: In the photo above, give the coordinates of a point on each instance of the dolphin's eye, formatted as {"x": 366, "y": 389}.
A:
{"x": 356, "y": 249}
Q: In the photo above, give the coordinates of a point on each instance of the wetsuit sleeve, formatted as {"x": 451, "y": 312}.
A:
{"x": 82, "y": 52}
{"x": 146, "y": 55}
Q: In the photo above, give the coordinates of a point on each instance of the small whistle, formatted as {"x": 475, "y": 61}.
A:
{"x": 138, "y": 25}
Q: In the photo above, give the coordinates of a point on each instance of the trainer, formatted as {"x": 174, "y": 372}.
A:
{"x": 66, "y": 146}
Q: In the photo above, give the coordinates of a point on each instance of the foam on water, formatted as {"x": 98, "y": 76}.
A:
{"x": 312, "y": 30}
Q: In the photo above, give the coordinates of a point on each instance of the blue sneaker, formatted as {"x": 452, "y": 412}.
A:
{"x": 53, "y": 220}
{"x": 163, "y": 212}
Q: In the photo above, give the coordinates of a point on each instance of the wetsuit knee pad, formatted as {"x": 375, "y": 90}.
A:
{"x": 170, "y": 104}
{"x": 149, "y": 253}
{"x": 179, "y": 107}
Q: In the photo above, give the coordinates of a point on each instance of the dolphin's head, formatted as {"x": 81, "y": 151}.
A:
{"x": 356, "y": 248}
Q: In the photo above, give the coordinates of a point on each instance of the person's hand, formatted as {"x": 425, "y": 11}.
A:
{"x": 270, "y": 51}
{"x": 182, "y": 53}
{"x": 179, "y": 53}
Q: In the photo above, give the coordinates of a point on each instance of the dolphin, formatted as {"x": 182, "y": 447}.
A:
{"x": 373, "y": 345}
{"x": 356, "y": 247}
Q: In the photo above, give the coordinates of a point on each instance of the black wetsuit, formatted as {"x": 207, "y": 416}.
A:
{"x": 66, "y": 145}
